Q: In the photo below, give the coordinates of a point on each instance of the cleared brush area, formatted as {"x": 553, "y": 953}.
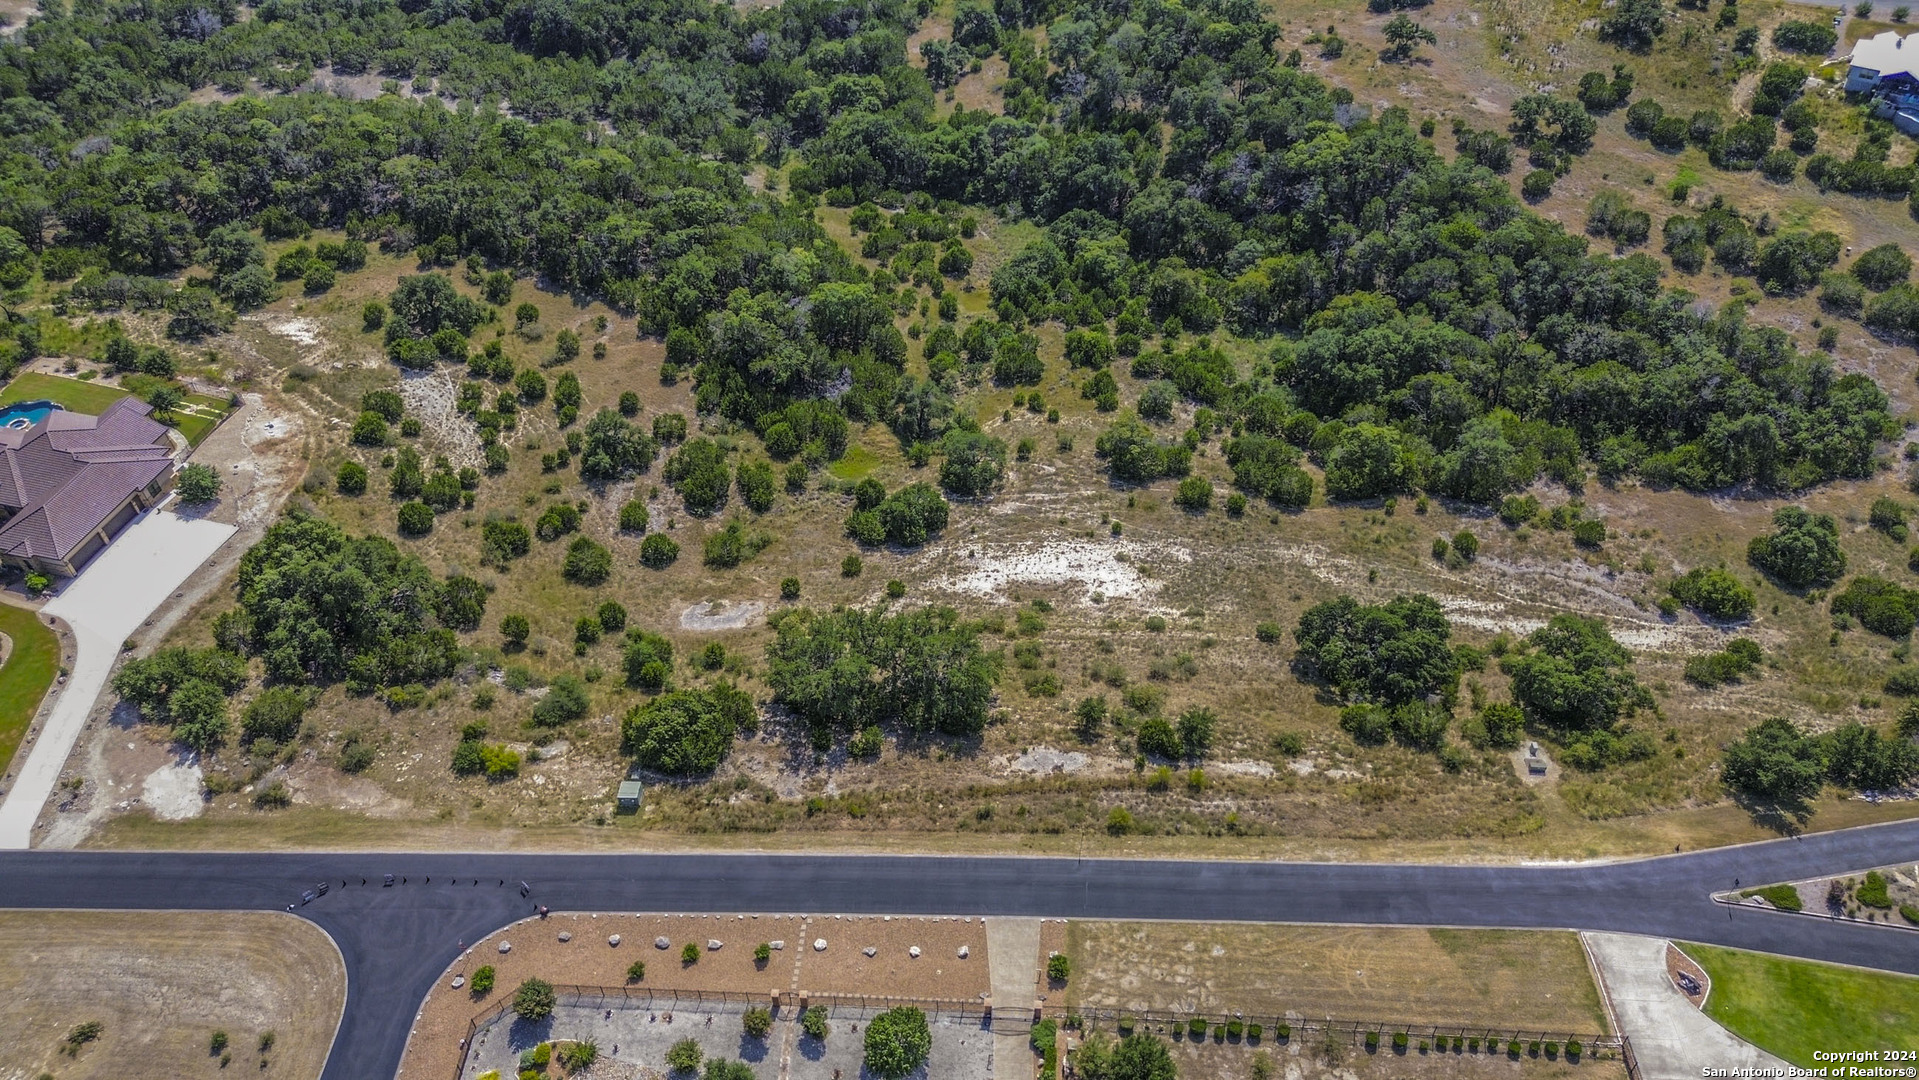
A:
{"x": 159, "y": 985}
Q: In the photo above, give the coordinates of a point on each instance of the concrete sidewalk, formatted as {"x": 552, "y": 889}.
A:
{"x": 1672, "y": 1039}
{"x": 105, "y": 605}
{"x": 1012, "y": 953}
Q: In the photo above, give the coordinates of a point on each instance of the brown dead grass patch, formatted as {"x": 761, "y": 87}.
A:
{"x": 1498, "y": 978}
{"x": 161, "y": 983}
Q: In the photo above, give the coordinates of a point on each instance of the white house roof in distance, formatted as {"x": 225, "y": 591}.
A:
{"x": 1888, "y": 53}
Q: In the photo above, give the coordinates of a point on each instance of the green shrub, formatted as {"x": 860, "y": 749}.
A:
{"x": 684, "y": 1056}
{"x": 636, "y": 971}
{"x": 1058, "y": 967}
{"x": 1399, "y": 1041}
{"x": 1872, "y": 892}
{"x": 1714, "y": 592}
{"x": 1196, "y": 1027}
{"x": 534, "y": 1000}
{"x": 1909, "y": 913}
{"x": 1881, "y": 606}
{"x": 658, "y": 551}
{"x": 1739, "y": 658}
{"x": 813, "y": 1023}
{"x": 482, "y": 980}
{"x": 690, "y": 953}
{"x": 1045, "y": 1040}
{"x": 587, "y": 563}
{"x": 757, "y": 1022}
{"x": 897, "y": 1042}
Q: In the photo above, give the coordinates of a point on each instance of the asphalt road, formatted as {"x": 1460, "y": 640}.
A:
{"x": 397, "y": 940}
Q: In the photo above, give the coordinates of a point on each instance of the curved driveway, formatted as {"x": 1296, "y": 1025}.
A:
{"x": 397, "y": 940}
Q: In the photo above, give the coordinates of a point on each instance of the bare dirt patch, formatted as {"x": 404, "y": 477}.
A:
{"x": 174, "y": 792}
{"x": 161, "y": 984}
{"x": 721, "y": 615}
{"x": 1102, "y": 571}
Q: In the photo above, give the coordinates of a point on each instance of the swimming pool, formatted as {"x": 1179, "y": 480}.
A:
{"x": 23, "y": 414}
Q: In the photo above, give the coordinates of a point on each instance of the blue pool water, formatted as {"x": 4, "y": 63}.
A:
{"x": 25, "y": 413}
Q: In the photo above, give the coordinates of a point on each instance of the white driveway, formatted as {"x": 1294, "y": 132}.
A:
{"x": 1672, "y": 1039}
{"x": 105, "y": 606}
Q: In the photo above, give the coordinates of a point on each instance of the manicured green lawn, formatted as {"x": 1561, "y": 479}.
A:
{"x": 93, "y": 399}
{"x": 26, "y": 676}
{"x": 1795, "y": 1007}
{"x": 69, "y": 393}
{"x": 195, "y": 428}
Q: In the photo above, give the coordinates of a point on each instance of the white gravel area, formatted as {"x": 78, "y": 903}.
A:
{"x": 1108, "y": 571}
{"x": 175, "y": 792}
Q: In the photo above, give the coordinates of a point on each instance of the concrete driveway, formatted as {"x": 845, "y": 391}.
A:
{"x": 1672, "y": 1039}
{"x": 105, "y": 606}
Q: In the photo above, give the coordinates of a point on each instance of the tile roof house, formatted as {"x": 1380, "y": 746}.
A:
{"x": 69, "y": 482}
{"x": 1886, "y": 66}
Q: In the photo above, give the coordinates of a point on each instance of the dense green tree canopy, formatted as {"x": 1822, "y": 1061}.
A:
{"x": 1802, "y": 550}
{"x": 319, "y": 605}
{"x": 1775, "y": 762}
{"x": 921, "y": 670}
{"x": 686, "y": 732}
{"x": 1393, "y": 653}
{"x": 1274, "y": 204}
{"x": 1576, "y": 676}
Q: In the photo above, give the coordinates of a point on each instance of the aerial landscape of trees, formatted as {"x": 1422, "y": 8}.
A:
{"x": 1431, "y": 311}
{"x": 1212, "y": 257}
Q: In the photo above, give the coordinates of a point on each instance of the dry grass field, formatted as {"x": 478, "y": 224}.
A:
{"x": 160, "y": 985}
{"x": 1496, "y": 978}
{"x": 1129, "y": 590}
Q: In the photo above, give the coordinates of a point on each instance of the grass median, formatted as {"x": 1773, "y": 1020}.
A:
{"x": 1792, "y": 1008}
{"x": 24, "y": 680}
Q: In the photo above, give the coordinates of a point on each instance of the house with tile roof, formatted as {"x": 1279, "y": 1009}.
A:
{"x": 70, "y": 482}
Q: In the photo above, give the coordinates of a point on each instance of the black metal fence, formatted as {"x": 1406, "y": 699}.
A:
{"x": 1382, "y": 1036}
